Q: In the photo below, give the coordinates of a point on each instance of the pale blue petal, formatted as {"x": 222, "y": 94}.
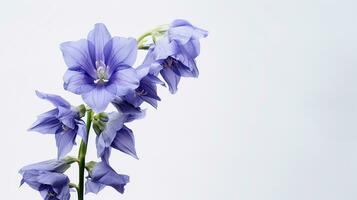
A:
{"x": 99, "y": 37}
{"x": 98, "y": 98}
{"x": 78, "y": 54}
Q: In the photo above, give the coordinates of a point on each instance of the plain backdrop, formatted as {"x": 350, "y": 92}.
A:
{"x": 271, "y": 117}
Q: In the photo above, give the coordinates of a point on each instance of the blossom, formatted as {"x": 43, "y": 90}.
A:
{"x": 147, "y": 90}
{"x": 103, "y": 175}
{"x": 115, "y": 135}
{"x": 174, "y": 53}
{"x": 63, "y": 121}
{"x": 99, "y": 67}
{"x": 128, "y": 110}
{"x": 47, "y": 178}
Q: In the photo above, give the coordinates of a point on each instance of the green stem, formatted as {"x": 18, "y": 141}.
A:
{"x": 159, "y": 30}
{"x": 82, "y": 157}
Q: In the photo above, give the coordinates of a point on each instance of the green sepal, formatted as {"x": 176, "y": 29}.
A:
{"x": 90, "y": 165}
{"x": 82, "y": 110}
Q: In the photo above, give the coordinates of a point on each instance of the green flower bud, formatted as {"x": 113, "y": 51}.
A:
{"x": 82, "y": 110}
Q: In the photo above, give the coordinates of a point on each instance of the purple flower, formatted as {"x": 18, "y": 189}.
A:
{"x": 128, "y": 110}
{"x": 47, "y": 178}
{"x": 174, "y": 54}
{"x": 103, "y": 175}
{"x": 99, "y": 67}
{"x": 63, "y": 121}
{"x": 147, "y": 90}
{"x": 115, "y": 135}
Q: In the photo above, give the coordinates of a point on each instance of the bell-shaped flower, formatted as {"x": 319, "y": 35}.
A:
{"x": 174, "y": 53}
{"x": 147, "y": 90}
{"x": 115, "y": 135}
{"x": 63, "y": 121}
{"x": 100, "y": 67}
{"x": 103, "y": 175}
{"x": 47, "y": 177}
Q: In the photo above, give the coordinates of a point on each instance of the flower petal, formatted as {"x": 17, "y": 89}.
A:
{"x": 49, "y": 165}
{"x": 46, "y": 123}
{"x": 81, "y": 130}
{"x": 99, "y": 36}
{"x": 54, "y": 99}
{"x": 79, "y": 54}
{"x": 121, "y": 52}
{"x": 53, "y": 179}
{"x": 92, "y": 187}
{"x": 125, "y": 80}
{"x": 77, "y": 81}
{"x": 164, "y": 48}
{"x": 98, "y": 98}
{"x": 124, "y": 142}
{"x": 105, "y": 139}
{"x": 171, "y": 78}
{"x": 182, "y": 31}
{"x": 65, "y": 141}
{"x": 129, "y": 110}
{"x": 104, "y": 174}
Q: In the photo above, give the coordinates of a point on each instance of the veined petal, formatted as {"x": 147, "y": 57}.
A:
{"x": 105, "y": 139}
{"x": 164, "y": 48}
{"x": 98, "y": 98}
{"x": 53, "y": 179}
{"x": 77, "y": 81}
{"x": 171, "y": 78}
{"x": 124, "y": 142}
{"x": 126, "y": 80}
{"x": 181, "y": 34}
{"x": 129, "y": 111}
{"x": 67, "y": 116}
{"x": 81, "y": 130}
{"x": 191, "y": 48}
{"x": 92, "y": 187}
{"x": 183, "y": 31}
{"x": 65, "y": 141}
{"x": 99, "y": 37}
{"x": 120, "y": 52}
{"x": 54, "y": 99}
{"x": 49, "y": 165}
{"x": 46, "y": 125}
{"x": 104, "y": 174}
{"x": 79, "y": 54}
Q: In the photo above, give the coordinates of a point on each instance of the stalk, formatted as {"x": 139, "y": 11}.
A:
{"x": 82, "y": 157}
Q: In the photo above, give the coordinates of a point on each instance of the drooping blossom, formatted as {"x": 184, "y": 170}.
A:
{"x": 115, "y": 135}
{"x": 47, "y": 177}
{"x": 174, "y": 53}
{"x": 63, "y": 121}
{"x": 103, "y": 175}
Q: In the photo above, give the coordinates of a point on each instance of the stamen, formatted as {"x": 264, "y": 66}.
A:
{"x": 102, "y": 75}
{"x": 141, "y": 92}
{"x": 65, "y": 128}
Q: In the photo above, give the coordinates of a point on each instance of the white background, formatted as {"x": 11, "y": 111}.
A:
{"x": 271, "y": 117}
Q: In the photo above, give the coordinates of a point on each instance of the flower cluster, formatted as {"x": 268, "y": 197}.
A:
{"x": 100, "y": 70}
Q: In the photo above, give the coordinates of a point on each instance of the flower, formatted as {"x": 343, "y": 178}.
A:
{"x": 47, "y": 178}
{"x": 53, "y": 165}
{"x": 103, "y": 175}
{"x": 147, "y": 90}
{"x": 63, "y": 121}
{"x": 115, "y": 135}
{"x": 99, "y": 67}
{"x": 174, "y": 54}
{"x": 128, "y": 110}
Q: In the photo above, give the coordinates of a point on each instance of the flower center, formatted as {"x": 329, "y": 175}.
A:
{"x": 102, "y": 75}
{"x": 140, "y": 92}
{"x": 65, "y": 128}
{"x": 168, "y": 62}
